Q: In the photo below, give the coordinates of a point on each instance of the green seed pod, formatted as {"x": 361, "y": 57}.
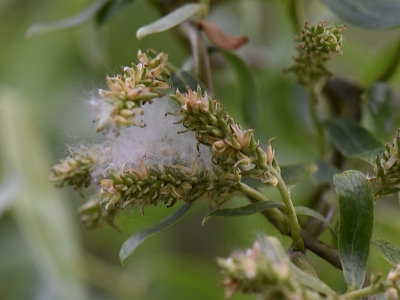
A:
{"x": 121, "y": 187}
{"x": 115, "y": 177}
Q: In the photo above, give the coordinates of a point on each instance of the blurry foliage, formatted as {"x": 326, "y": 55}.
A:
{"x": 44, "y": 83}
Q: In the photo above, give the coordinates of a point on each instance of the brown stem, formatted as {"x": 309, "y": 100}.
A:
{"x": 311, "y": 243}
{"x": 323, "y": 250}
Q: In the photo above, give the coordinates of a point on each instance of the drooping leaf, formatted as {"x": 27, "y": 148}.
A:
{"x": 310, "y": 281}
{"x": 305, "y": 211}
{"x": 356, "y": 205}
{"x": 388, "y": 250}
{"x": 220, "y": 38}
{"x": 248, "y": 91}
{"x": 74, "y": 21}
{"x": 174, "y": 18}
{"x": 136, "y": 239}
{"x": 110, "y": 9}
{"x": 182, "y": 79}
{"x": 297, "y": 172}
{"x": 374, "y": 14}
{"x": 353, "y": 140}
{"x": 254, "y": 208}
{"x": 247, "y": 210}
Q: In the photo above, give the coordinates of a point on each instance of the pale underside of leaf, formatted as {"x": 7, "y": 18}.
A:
{"x": 74, "y": 21}
{"x": 174, "y": 18}
{"x": 388, "y": 250}
{"x": 372, "y": 14}
{"x": 310, "y": 281}
{"x": 136, "y": 239}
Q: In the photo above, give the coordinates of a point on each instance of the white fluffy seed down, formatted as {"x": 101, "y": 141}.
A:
{"x": 159, "y": 142}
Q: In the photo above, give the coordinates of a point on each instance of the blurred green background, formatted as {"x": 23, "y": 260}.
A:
{"x": 45, "y": 253}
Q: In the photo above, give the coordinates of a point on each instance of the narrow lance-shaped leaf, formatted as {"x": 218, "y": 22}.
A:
{"x": 70, "y": 22}
{"x": 372, "y": 14}
{"x": 356, "y": 205}
{"x": 305, "y": 211}
{"x": 248, "y": 90}
{"x": 247, "y": 210}
{"x": 388, "y": 250}
{"x": 353, "y": 140}
{"x": 254, "y": 208}
{"x": 136, "y": 239}
{"x": 174, "y": 18}
{"x": 310, "y": 281}
{"x": 110, "y": 9}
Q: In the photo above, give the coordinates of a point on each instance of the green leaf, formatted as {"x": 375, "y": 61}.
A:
{"x": 297, "y": 172}
{"x": 374, "y": 14}
{"x": 353, "y": 140}
{"x": 174, "y": 18}
{"x": 356, "y": 205}
{"x": 388, "y": 250}
{"x": 254, "y": 208}
{"x": 182, "y": 79}
{"x": 136, "y": 239}
{"x": 379, "y": 102}
{"x": 305, "y": 211}
{"x": 310, "y": 281}
{"x": 71, "y": 22}
{"x": 110, "y": 9}
{"x": 247, "y": 210}
{"x": 248, "y": 91}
